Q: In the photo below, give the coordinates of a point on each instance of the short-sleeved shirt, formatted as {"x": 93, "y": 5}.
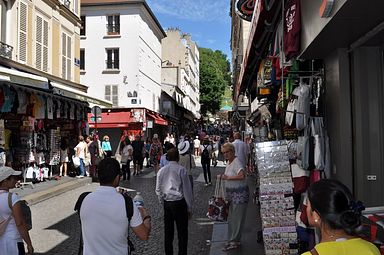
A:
{"x": 347, "y": 247}
{"x": 104, "y": 222}
{"x": 11, "y": 231}
{"x": 82, "y": 147}
{"x": 236, "y": 190}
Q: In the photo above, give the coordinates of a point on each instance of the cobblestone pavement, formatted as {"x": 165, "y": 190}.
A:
{"x": 56, "y": 227}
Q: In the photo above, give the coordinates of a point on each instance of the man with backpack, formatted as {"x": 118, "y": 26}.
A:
{"x": 104, "y": 213}
{"x": 206, "y": 152}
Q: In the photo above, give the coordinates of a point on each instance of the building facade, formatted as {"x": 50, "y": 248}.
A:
{"x": 181, "y": 68}
{"x": 121, "y": 53}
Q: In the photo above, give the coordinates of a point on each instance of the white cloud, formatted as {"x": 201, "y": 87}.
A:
{"x": 194, "y": 10}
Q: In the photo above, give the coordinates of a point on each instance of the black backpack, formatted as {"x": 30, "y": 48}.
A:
{"x": 205, "y": 153}
{"x": 128, "y": 209}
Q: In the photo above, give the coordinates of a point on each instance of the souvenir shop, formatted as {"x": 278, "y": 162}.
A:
{"x": 304, "y": 103}
{"x": 33, "y": 121}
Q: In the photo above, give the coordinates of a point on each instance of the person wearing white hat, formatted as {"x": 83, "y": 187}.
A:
{"x": 11, "y": 241}
{"x": 186, "y": 159}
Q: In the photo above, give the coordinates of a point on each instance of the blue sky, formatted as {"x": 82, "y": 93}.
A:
{"x": 207, "y": 21}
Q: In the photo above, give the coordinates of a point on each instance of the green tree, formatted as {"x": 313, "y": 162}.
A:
{"x": 214, "y": 78}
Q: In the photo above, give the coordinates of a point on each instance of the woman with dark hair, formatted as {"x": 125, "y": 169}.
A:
{"x": 332, "y": 208}
{"x": 63, "y": 156}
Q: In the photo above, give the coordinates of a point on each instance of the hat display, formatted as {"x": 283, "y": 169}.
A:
{"x": 183, "y": 147}
{"x": 6, "y": 171}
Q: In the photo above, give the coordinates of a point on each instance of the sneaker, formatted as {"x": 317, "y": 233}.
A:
{"x": 206, "y": 185}
{"x": 210, "y": 184}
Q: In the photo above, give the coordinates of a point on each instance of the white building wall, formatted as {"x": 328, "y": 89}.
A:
{"x": 139, "y": 67}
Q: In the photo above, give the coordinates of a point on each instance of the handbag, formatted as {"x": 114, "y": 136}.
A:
{"x": 76, "y": 161}
{"x": 217, "y": 205}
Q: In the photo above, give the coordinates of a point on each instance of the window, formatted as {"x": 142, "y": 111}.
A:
{"x": 83, "y": 24}
{"x": 134, "y": 101}
{"x": 112, "y": 59}
{"x": 129, "y": 94}
{"x": 66, "y": 56}
{"x": 113, "y": 25}
{"x": 82, "y": 59}
{"x": 76, "y": 7}
{"x": 111, "y": 94}
{"x": 41, "y": 44}
{"x": 23, "y": 24}
{"x": 134, "y": 94}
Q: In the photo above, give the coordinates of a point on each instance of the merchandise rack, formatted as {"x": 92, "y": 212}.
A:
{"x": 276, "y": 201}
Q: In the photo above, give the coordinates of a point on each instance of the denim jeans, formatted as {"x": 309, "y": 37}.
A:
{"x": 82, "y": 167}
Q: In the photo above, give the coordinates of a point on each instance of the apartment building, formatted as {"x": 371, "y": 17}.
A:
{"x": 120, "y": 58}
{"x": 181, "y": 71}
{"x": 121, "y": 53}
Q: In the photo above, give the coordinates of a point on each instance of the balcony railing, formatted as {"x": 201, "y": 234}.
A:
{"x": 6, "y": 50}
{"x": 113, "y": 29}
{"x": 112, "y": 64}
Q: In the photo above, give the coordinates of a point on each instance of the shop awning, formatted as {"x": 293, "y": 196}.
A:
{"x": 111, "y": 120}
{"x": 63, "y": 90}
{"x": 263, "y": 24}
{"x": 23, "y": 78}
{"x": 157, "y": 119}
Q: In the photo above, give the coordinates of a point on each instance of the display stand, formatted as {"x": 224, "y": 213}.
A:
{"x": 25, "y": 183}
{"x": 276, "y": 201}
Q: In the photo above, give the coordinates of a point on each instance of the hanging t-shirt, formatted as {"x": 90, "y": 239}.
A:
{"x": 39, "y": 108}
{"x": 15, "y": 104}
{"x": 8, "y": 99}
{"x": 292, "y": 28}
{"x": 23, "y": 102}
{"x": 49, "y": 108}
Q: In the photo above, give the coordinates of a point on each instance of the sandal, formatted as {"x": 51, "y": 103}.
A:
{"x": 231, "y": 246}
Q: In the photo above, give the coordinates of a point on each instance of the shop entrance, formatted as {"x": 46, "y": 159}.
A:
{"x": 367, "y": 71}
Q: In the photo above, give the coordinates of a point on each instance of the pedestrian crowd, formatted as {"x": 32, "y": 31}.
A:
{"x": 107, "y": 213}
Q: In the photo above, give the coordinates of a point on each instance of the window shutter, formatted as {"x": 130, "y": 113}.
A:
{"x": 45, "y": 46}
{"x": 63, "y": 55}
{"x": 107, "y": 92}
{"x": 69, "y": 57}
{"x": 115, "y": 95}
{"x": 117, "y": 23}
{"x": 39, "y": 40}
{"x": 110, "y": 20}
{"x": 23, "y": 17}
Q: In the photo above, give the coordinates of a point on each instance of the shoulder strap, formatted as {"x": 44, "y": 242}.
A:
{"x": 10, "y": 200}
{"x": 205, "y": 147}
{"x": 80, "y": 201}
{"x": 314, "y": 251}
{"x": 128, "y": 206}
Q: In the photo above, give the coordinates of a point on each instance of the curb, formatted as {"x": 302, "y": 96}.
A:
{"x": 55, "y": 191}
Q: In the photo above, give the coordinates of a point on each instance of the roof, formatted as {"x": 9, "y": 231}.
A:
{"x": 119, "y": 2}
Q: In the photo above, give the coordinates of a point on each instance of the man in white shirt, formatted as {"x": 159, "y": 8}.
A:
{"x": 104, "y": 222}
{"x": 173, "y": 189}
{"x": 241, "y": 149}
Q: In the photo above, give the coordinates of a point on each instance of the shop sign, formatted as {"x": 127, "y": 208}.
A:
{"x": 244, "y": 8}
{"x": 326, "y": 8}
{"x": 149, "y": 124}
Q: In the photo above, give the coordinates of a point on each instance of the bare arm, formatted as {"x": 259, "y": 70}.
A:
{"x": 21, "y": 226}
{"x": 142, "y": 231}
{"x": 240, "y": 176}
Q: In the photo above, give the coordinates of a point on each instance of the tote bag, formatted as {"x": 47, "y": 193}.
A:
{"x": 217, "y": 205}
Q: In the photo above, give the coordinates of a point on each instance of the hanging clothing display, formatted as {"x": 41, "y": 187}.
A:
{"x": 292, "y": 28}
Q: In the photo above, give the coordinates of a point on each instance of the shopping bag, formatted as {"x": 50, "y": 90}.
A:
{"x": 76, "y": 161}
{"x": 217, "y": 205}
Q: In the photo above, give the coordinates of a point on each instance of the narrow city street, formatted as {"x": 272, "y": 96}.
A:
{"x": 56, "y": 227}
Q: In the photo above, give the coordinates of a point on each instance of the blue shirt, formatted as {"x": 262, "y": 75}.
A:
{"x": 106, "y": 146}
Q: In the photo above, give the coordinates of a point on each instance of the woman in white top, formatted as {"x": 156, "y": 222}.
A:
{"x": 126, "y": 158}
{"x": 11, "y": 241}
{"x": 81, "y": 150}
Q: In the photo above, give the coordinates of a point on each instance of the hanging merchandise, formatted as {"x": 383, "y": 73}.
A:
{"x": 292, "y": 28}
{"x": 23, "y": 102}
{"x": 302, "y": 107}
{"x": 303, "y": 150}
